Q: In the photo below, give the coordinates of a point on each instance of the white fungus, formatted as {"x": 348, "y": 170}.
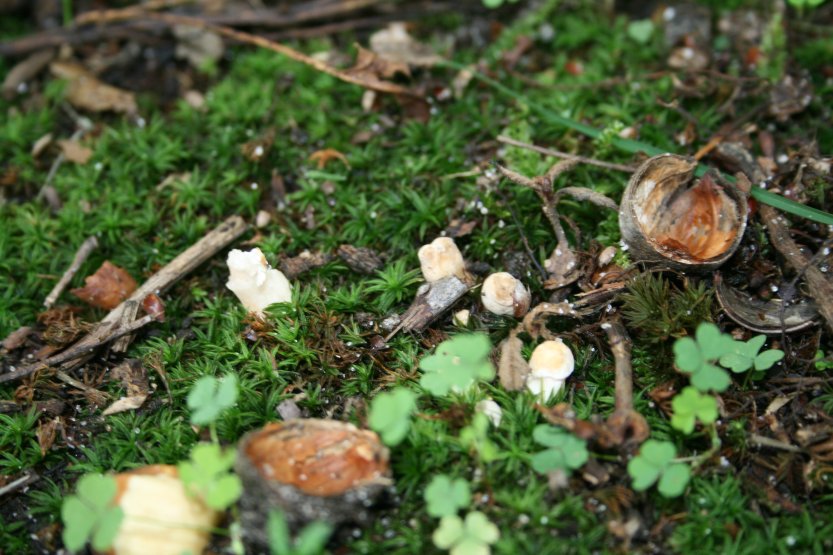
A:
{"x": 504, "y": 295}
{"x": 551, "y": 364}
{"x": 441, "y": 259}
{"x": 491, "y": 409}
{"x": 254, "y": 282}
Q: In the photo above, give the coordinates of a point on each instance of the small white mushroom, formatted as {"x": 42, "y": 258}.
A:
{"x": 160, "y": 517}
{"x": 504, "y": 295}
{"x": 441, "y": 259}
{"x": 491, "y": 409}
{"x": 550, "y": 365}
{"x": 461, "y": 318}
{"x": 254, "y": 282}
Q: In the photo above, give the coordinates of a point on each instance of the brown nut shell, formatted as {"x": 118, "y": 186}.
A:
{"x": 668, "y": 218}
{"x": 310, "y": 469}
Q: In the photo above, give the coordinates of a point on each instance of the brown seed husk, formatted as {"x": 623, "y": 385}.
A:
{"x": 669, "y": 219}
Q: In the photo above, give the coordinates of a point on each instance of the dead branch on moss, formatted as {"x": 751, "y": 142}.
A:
{"x": 88, "y": 246}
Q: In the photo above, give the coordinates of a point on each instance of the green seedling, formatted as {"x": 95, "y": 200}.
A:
{"x": 689, "y": 406}
{"x": 822, "y": 363}
{"x": 471, "y": 536}
{"x": 210, "y": 396}
{"x": 697, "y": 357}
{"x": 444, "y": 496}
{"x": 89, "y": 515}
{"x": 311, "y": 540}
{"x": 641, "y": 30}
{"x": 475, "y": 436}
{"x": 493, "y": 4}
{"x": 457, "y": 363}
{"x": 390, "y": 415}
{"x": 565, "y": 451}
{"x": 207, "y": 475}
{"x": 745, "y": 356}
{"x": 656, "y": 462}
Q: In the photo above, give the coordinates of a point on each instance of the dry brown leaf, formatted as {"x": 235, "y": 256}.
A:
{"x": 395, "y": 45}
{"x": 125, "y": 404}
{"x": 86, "y": 92}
{"x": 107, "y": 287}
{"x": 154, "y": 306}
{"x": 323, "y": 156}
{"x": 46, "y": 433}
{"x": 512, "y": 367}
{"x": 41, "y": 145}
{"x": 133, "y": 377}
{"x": 17, "y": 338}
{"x": 372, "y": 68}
{"x": 75, "y": 151}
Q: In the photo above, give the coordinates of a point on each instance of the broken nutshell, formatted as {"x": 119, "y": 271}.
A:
{"x": 310, "y": 469}
{"x": 669, "y": 218}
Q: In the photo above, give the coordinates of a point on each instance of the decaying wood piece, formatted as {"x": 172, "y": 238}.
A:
{"x": 81, "y": 255}
{"x": 432, "y": 300}
{"x": 114, "y": 325}
{"x": 360, "y": 259}
{"x": 310, "y": 469}
{"x": 625, "y": 424}
{"x": 669, "y": 219}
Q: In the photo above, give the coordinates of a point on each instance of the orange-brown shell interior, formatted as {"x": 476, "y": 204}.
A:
{"x": 316, "y": 456}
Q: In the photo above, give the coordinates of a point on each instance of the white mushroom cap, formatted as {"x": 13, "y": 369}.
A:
{"x": 441, "y": 259}
{"x": 550, "y": 365}
{"x": 159, "y": 516}
{"x": 254, "y": 282}
{"x": 461, "y": 318}
{"x": 504, "y": 295}
{"x": 491, "y": 409}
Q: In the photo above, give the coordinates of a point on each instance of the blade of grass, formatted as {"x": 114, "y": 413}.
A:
{"x": 632, "y": 146}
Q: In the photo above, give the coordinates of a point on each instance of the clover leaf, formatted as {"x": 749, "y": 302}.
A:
{"x": 390, "y": 414}
{"x": 90, "y": 515}
{"x": 476, "y": 436}
{"x": 457, "y": 363}
{"x": 445, "y": 496}
{"x": 471, "y": 536}
{"x": 566, "y": 451}
{"x": 745, "y": 356}
{"x": 695, "y": 357}
{"x": 655, "y": 462}
{"x": 311, "y": 540}
{"x": 691, "y": 405}
{"x": 210, "y": 396}
{"x": 641, "y": 30}
{"x": 207, "y": 474}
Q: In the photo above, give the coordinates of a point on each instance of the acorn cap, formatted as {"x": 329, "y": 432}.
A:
{"x": 670, "y": 219}
{"x": 310, "y": 469}
{"x": 159, "y": 515}
{"x": 505, "y": 295}
{"x": 441, "y": 259}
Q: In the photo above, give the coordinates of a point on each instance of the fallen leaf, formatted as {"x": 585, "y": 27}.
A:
{"x": 46, "y": 434}
{"x": 562, "y": 267}
{"x": 512, "y": 367}
{"x": 17, "y": 338}
{"x": 75, "y": 151}
{"x": 323, "y": 156}
{"x": 41, "y": 145}
{"x": 133, "y": 377}
{"x": 370, "y": 67}
{"x": 397, "y": 46}
{"x": 125, "y": 404}
{"x": 86, "y": 92}
{"x": 154, "y": 306}
{"x": 107, "y": 287}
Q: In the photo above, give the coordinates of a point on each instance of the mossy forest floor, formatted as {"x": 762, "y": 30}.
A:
{"x": 408, "y": 177}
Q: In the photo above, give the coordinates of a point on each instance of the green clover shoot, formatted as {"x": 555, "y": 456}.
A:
{"x": 655, "y": 462}
{"x": 472, "y": 536}
{"x": 565, "y": 451}
{"x": 689, "y": 406}
{"x": 697, "y": 357}
{"x": 445, "y": 496}
{"x": 210, "y": 396}
{"x": 390, "y": 415}
{"x": 207, "y": 474}
{"x": 90, "y": 514}
{"x": 476, "y": 436}
{"x": 311, "y": 540}
{"x": 457, "y": 363}
{"x": 746, "y": 355}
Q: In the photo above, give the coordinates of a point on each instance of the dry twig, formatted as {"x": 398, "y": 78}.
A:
{"x": 81, "y": 255}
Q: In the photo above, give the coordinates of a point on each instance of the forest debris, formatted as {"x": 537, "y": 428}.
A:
{"x": 107, "y": 287}
{"x": 625, "y": 425}
{"x": 441, "y": 259}
{"x": 770, "y": 317}
{"x": 254, "y": 282}
{"x": 432, "y": 300}
{"x": 393, "y": 43}
{"x": 86, "y": 92}
{"x": 360, "y": 259}
{"x": 75, "y": 152}
{"x": 47, "y": 432}
{"x": 325, "y": 155}
{"x": 505, "y": 295}
{"x": 41, "y": 145}
{"x": 512, "y": 367}
{"x": 304, "y": 262}
{"x": 790, "y": 96}
{"x": 154, "y": 306}
{"x": 257, "y": 148}
{"x": 311, "y": 470}
{"x": 199, "y": 46}
{"x": 131, "y": 373}
{"x": 25, "y": 70}
{"x": 17, "y": 338}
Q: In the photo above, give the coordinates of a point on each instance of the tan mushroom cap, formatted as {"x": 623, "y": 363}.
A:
{"x": 441, "y": 259}
{"x": 552, "y": 359}
{"x": 505, "y": 295}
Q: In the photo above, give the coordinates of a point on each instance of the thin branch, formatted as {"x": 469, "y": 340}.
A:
{"x": 566, "y": 155}
{"x": 88, "y": 246}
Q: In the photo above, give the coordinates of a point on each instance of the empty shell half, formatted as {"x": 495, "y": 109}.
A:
{"x": 670, "y": 218}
